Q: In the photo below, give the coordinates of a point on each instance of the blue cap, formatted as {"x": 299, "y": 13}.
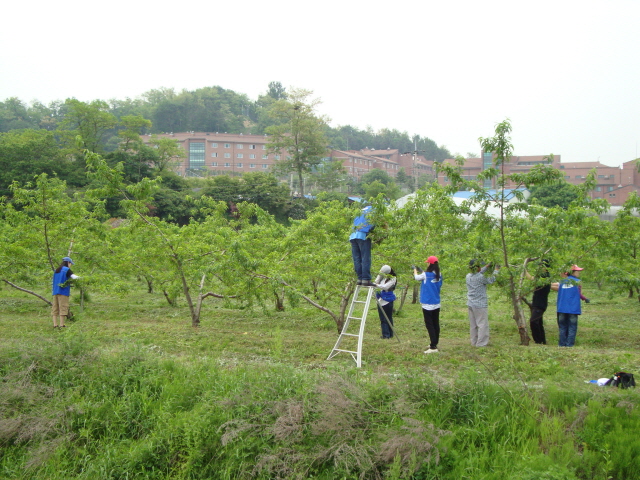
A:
{"x": 67, "y": 259}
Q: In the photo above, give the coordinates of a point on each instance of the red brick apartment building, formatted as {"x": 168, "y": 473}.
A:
{"x": 613, "y": 183}
{"x": 221, "y": 153}
{"x": 359, "y": 162}
{"x": 210, "y": 153}
{"x": 237, "y": 153}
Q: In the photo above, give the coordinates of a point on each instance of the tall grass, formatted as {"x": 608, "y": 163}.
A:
{"x": 130, "y": 391}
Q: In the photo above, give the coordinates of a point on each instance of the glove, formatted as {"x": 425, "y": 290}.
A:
{"x": 586, "y": 300}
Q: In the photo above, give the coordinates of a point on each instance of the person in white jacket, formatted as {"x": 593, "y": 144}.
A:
{"x": 386, "y": 282}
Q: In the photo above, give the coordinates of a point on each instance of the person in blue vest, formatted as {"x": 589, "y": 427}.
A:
{"x": 361, "y": 247}
{"x": 568, "y": 306}
{"x": 61, "y": 290}
{"x": 430, "y": 300}
{"x": 386, "y": 282}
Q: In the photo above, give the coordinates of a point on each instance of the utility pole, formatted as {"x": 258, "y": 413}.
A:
{"x": 414, "y": 158}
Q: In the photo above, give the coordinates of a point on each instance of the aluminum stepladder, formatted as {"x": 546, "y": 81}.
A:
{"x": 345, "y": 334}
{"x": 356, "y": 337}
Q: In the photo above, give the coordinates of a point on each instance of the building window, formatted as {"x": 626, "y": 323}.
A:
{"x": 252, "y": 147}
{"x": 227, "y": 145}
{"x": 239, "y": 165}
{"x": 227, "y": 164}
{"x": 214, "y": 154}
{"x": 598, "y": 189}
{"x": 196, "y": 154}
{"x": 577, "y": 176}
{"x": 239, "y": 146}
{"x": 609, "y": 189}
{"x": 562, "y": 167}
{"x": 264, "y": 157}
{"x": 252, "y": 156}
{"x": 264, "y": 147}
{"x": 238, "y": 155}
{"x": 214, "y": 145}
{"x": 214, "y": 164}
{"x": 265, "y": 166}
{"x": 567, "y": 177}
{"x": 227, "y": 155}
{"x": 612, "y": 194}
{"x": 277, "y": 157}
{"x": 252, "y": 165}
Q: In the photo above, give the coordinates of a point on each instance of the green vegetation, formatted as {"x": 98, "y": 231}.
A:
{"x": 129, "y": 391}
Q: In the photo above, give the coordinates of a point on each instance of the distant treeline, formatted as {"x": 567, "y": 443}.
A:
{"x": 207, "y": 109}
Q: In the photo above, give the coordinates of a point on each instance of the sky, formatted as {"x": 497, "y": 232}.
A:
{"x": 565, "y": 73}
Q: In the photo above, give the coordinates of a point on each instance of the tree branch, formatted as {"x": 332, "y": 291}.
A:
{"x": 26, "y": 291}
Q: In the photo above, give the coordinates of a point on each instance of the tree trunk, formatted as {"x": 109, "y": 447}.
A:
{"x": 169, "y": 299}
{"x": 518, "y": 314}
{"x": 149, "y": 284}
{"x": 279, "y": 301}
{"x": 415, "y": 294}
{"x": 403, "y": 297}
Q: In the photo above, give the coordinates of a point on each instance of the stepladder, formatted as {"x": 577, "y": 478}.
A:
{"x": 350, "y": 338}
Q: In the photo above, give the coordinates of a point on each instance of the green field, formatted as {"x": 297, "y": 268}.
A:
{"x": 130, "y": 390}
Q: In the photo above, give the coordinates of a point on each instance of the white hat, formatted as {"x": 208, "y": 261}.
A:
{"x": 385, "y": 269}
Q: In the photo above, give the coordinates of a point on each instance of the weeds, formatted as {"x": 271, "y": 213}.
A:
{"x": 129, "y": 392}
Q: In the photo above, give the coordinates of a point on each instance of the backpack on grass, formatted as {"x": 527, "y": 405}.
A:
{"x": 622, "y": 380}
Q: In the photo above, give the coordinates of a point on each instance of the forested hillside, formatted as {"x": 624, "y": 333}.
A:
{"x": 207, "y": 109}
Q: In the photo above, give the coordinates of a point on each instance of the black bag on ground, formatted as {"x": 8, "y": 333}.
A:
{"x": 622, "y": 380}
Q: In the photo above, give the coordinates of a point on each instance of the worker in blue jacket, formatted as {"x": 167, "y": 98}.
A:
{"x": 568, "y": 306}
{"x": 61, "y": 289}
{"x": 361, "y": 247}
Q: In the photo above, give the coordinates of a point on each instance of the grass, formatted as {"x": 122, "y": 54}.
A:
{"x": 130, "y": 390}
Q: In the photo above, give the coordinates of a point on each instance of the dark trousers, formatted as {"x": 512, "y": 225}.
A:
{"x": 567, "y": 329}
{"x": 537, "y": 327}
{"x": 361, "y": 253}
{"x": 432, "y": 322}
{"x": 386, "y": 330}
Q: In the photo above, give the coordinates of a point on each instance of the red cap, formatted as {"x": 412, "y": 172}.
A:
{"x": 576, "y": 268}
{"x": 433, "y": 260}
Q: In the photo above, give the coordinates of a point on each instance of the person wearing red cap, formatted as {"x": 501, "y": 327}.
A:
{"x": 568, "y": 306}
{"x": 430, "y": 300}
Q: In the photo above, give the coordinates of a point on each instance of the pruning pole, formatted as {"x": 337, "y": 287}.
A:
{"x": 387, "y": 320}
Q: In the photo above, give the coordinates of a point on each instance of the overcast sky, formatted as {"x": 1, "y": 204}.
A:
{"x": 566, "y": 73}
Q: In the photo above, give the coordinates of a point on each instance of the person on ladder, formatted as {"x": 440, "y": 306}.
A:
{"x": 361, "y": 247}
{"x": 386, "y": 282}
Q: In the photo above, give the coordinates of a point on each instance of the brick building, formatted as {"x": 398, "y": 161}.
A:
{"x": 613, "y": 183}
{"x": 222, "y": 153}
{"x": 211, "y": 153}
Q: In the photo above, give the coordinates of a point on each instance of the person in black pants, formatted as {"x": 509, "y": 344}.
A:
{"x": 539, "y": 304}
{"x": 386, "y": 282}
{"x": 431, "y": 280}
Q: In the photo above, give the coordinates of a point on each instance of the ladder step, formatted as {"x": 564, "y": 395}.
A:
{"x": 346, "y": 351}
{"x": 350, "y": 335}
{"x": 355, "y": 318}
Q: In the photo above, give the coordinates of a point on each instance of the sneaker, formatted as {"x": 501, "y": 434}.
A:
{"x": 367, "y": 283}
{"x": 431, "y": 350}
{"x": 359, "y": 282}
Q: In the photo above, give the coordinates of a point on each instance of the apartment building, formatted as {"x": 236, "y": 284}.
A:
{"x": 223, "y": 153}
{"x": 613, "y": 183}
{"x": 211, "y": 153}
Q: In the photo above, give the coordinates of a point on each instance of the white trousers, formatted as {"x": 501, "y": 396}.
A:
{"x": 479, "y": 326}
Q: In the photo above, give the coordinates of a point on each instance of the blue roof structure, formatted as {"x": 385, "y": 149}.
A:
{"x": 509, "y": 193}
